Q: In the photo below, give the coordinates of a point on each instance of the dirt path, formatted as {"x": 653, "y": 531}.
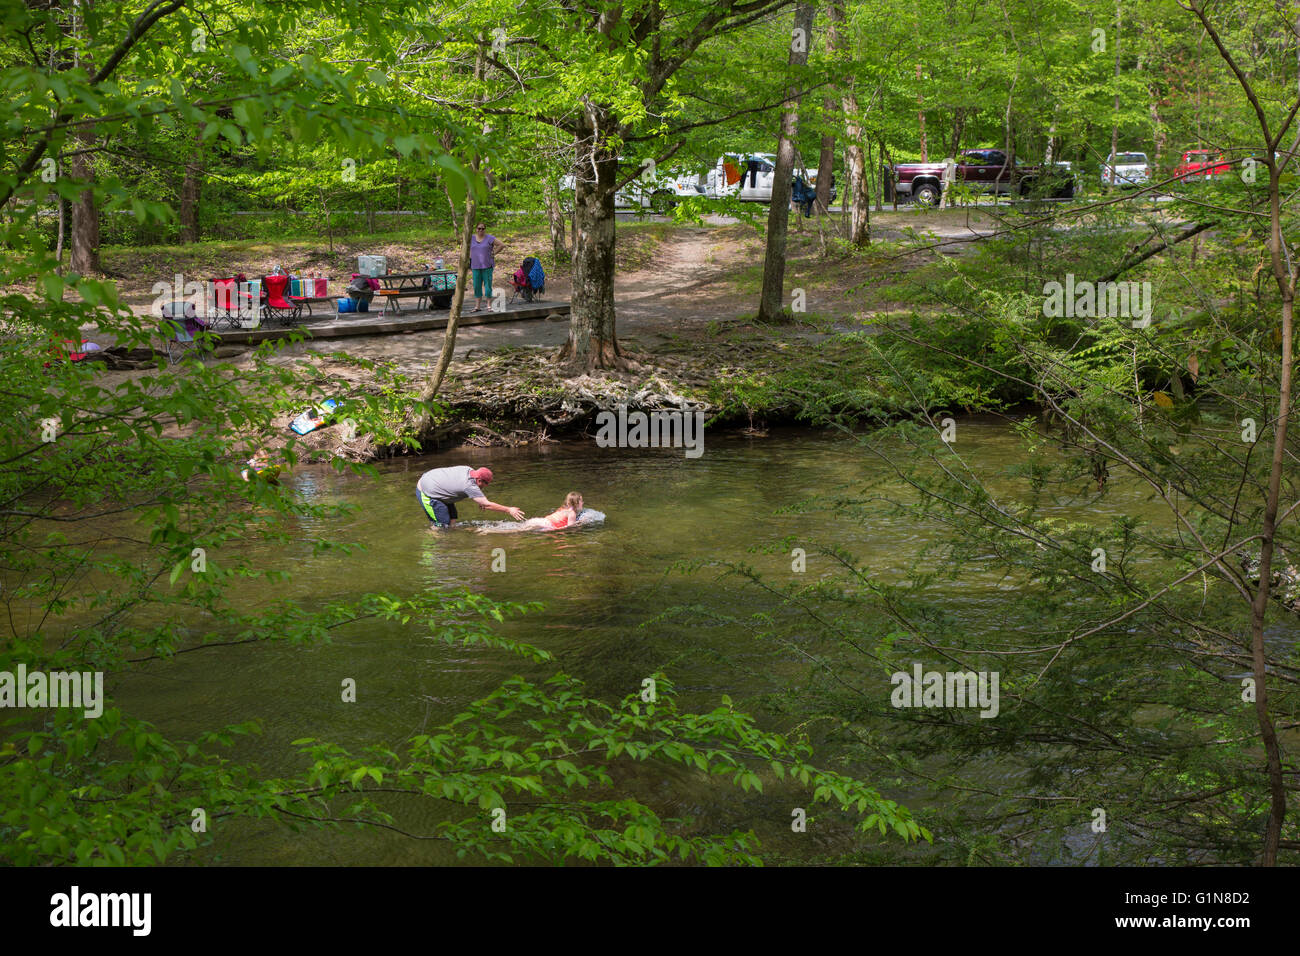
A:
{"x": 686, "y": 283}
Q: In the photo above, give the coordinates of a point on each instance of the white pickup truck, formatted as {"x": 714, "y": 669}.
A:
{"x": 658, "y": 193}
{"x": 1126, "y": 169}
{"x": 748, "y": 176}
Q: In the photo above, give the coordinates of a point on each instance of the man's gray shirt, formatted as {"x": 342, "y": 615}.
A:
{"x": 449, "y": 484}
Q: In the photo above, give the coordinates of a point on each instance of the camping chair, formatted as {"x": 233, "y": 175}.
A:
{"x": 230, "y": 301}
{"x": 223, "y": 302}
{"x": 437, "y": 291}
{"x": 537, "y": 278}
{"x": 276, "y": 305}
{"x": 180, "y": 325}
{"x": 251, "y": 295}
{"x": 528, "y": 280}
{"x": 71, "y": 350}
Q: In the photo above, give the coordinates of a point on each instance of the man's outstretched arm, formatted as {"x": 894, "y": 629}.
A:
{"x": 486, "y": 505}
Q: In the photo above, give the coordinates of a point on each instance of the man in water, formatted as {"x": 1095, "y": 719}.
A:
{"x": 440, "y": 489}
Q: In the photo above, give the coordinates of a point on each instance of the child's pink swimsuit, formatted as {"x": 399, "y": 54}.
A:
{"x": 559, "y": 521}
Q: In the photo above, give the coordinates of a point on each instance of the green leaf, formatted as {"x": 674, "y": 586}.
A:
{"x": 52, "y": 286}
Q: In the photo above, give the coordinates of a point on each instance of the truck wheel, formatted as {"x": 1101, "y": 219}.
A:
{"x": 662, "y": 203}
{"x": 926, "y": 194}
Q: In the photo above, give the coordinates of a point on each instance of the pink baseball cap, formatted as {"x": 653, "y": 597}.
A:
{"x": 482, "y": 474}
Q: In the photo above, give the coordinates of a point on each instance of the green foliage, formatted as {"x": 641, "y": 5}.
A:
{"x": 535, "y": 752}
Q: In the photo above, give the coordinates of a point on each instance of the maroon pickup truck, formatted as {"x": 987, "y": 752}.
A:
{"x": 983, "y": 170}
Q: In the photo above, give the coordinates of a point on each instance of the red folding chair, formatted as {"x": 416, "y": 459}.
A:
{"x": 228, "y": 304}
{"x": 70, "y": 350}
{"x": 276, "y": 305}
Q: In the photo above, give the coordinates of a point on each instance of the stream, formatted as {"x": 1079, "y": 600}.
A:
{"x": 599, "y": 584}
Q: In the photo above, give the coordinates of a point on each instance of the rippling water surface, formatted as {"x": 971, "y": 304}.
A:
{"x": 599, "y": 583}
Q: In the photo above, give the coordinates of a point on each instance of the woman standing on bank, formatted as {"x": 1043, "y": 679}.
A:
{"x": 483, "y": 249}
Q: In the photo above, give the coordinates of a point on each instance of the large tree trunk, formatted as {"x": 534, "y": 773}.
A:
{"x": 65, "y": 210}
{"x": 825, "y": 168}
{"x": 857, "y": 196}
{"x": 85, "y": 215}
{"x": 191, "y": 189}
{"x": 880, "y": 177}
{"x": 592, "y": 343}
{"x": 65, "y": 214}
{"x": 826, "y": 159}
{"x": 857, "y": 192}
{"x": 778, "y": 214}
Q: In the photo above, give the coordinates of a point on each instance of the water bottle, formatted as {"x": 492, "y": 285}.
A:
{"x": 437, "y": 264}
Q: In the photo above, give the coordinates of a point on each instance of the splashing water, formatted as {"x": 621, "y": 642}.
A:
{"x": 589, "y": 516}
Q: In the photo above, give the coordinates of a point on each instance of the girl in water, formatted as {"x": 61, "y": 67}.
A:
{"x": 561, "y": 517}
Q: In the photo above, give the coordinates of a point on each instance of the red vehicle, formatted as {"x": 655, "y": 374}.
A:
{"x": 1202, "y": 165}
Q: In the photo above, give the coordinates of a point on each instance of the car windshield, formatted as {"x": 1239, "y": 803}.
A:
{"x": 1131, "y": 158}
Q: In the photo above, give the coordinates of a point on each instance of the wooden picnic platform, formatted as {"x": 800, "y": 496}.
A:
{"x": 376, "y": 323}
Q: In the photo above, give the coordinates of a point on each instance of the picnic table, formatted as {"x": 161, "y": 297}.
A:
{"x": 396, "y": 286}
